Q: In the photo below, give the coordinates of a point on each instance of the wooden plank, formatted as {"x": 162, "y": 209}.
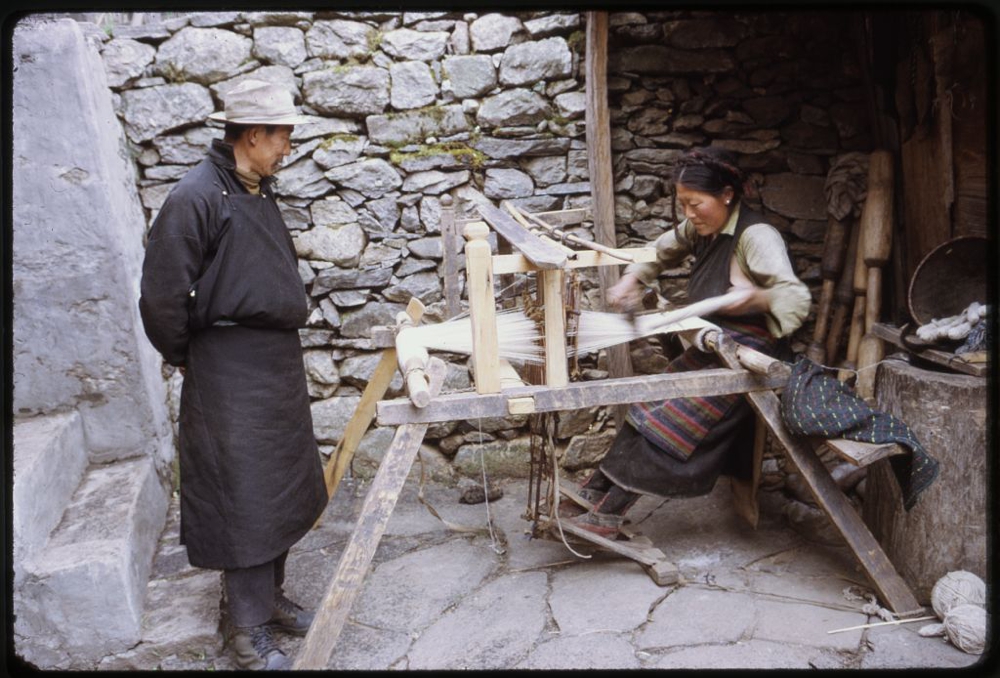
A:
{"x": 357, "y": 556}
{"x": 933, "y": 355}
{"x": 518, "y": 263}
{"x": 971, "y": 211}
{"x": 543, "y": 255}
{"x": 890, "y": 586}
{"x": 599, "y": 162}
{"x": 862, "y": 454}
{"x": 653, "y": 560}
{"x": 926, "y": 178}
{"x": 579, "y": 395}
{"x": 568, "y": 217}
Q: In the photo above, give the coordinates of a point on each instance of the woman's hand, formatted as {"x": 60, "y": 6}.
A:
{"x": 626, "y": 294}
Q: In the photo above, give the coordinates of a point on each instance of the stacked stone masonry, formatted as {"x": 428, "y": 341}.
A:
{"x": 412, "y": 106}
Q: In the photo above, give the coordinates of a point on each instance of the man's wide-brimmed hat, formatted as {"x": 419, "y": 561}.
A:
{"x": 255, "y": 102}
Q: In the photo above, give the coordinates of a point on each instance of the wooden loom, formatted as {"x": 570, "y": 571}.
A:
{"x": 499, "y": 392}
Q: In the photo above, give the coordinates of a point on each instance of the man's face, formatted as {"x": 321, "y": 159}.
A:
{"x": 268, "y": 150}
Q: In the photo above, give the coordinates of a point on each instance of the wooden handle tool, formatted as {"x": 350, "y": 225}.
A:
{"x": 834, "y": 251}
{"x": 877, "y": 223}
{"x": 843, "y": 298}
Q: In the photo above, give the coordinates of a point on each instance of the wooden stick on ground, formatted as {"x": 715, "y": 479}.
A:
{"x": 888, "y": 623}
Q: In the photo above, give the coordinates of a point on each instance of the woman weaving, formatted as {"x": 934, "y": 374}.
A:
{"x": 679, "y": 447}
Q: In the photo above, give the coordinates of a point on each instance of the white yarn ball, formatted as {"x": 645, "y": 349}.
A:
{"x": 966, "y": 628}
{"x": 957, "y": 588}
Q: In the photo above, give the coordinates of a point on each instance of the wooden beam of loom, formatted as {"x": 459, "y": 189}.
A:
{"x": 578, "y": 395}
{"x": 543, "y": 254}
{"x": 518, "y": 263}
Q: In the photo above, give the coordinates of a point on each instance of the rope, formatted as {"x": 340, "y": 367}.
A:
{"x": 499, "y": 550}
{"x": 554, "y": 500}
{"x": 498, "y": 540}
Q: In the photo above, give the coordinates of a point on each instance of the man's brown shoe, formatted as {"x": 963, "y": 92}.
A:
{"x": 289, "y": 616}
{"x": 254, "y": 648}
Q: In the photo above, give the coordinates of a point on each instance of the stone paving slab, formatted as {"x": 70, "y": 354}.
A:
{"x": 410, "y": 592}
{"x": 595, "y": 650}
{"x": 696, "y": 616}
{"x": 753, "y": 654}
{"x": 900, "y": 646}
{"x": 808, "y": 625}
{"x": 602, "y": 595}
{"x": 493, "y": 628}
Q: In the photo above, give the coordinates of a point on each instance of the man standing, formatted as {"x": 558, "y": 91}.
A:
{"x": 221, "y": 298}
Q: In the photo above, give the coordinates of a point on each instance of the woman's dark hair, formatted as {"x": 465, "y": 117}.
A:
{"x": 709, "y": 170}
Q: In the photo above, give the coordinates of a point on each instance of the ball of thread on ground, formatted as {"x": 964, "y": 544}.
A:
{"x": 957, "y": 588}
{"x": 966, "y": 628}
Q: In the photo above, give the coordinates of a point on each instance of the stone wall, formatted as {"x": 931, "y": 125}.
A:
{"x": 413, "y": 106}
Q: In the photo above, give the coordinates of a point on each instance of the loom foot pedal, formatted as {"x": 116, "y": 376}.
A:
{"x": 635, "y": 547}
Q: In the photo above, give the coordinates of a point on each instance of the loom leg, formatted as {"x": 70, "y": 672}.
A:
{"x": 347, "y": 581}
{"x": 890, "y": 586}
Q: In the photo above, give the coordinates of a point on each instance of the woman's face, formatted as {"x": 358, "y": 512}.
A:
{"x": 708, "y": 213}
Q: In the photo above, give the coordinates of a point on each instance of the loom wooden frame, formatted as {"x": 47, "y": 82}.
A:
{"x": 502, "y": 393}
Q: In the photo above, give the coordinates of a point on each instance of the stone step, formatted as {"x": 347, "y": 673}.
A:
{"x": 83, "y": 592}
{"x": 50, "y": 457}
{"x": 180, "y": 625}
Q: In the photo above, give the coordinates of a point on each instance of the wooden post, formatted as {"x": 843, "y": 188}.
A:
{"x": 860, "y": 286}
{"x": 951, "y": 527}
{"x": 834, "y": 251}
{"x": 602, "y": 192}
{"x": 553, "y": 284}
{"x": 450, "y": 242}
{"x": 482, "y": 310}
{"x": 843, "y": 298}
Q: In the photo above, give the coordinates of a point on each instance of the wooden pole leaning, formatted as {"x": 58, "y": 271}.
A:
{"x": 364, "y": 413}
{"x": 877, "y": 220}
{"x": 860, "y": 286}
{"x": 347, "y": 581}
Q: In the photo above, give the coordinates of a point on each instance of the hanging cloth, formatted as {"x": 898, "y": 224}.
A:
{"x": 815, "y": 404}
